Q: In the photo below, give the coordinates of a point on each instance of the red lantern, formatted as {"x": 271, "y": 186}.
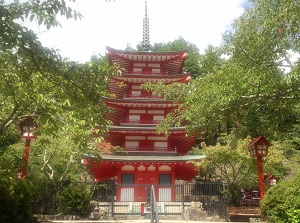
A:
{"x": 26, "y": 128}
{"x": 258, "y": 147}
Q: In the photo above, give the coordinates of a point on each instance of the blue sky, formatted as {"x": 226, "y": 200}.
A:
{"x": 120, "y": 22}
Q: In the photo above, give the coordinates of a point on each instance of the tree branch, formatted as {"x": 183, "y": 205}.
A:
{"x": 46, "y": 164}
{"x": 69, "y": 165}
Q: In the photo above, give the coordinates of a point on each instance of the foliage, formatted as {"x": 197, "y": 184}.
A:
{"x": 211, "y": 61}
{"x": 175, "y": 91}
{"x": 191, "y": 64}
{"x": 281, "y": 203}
{"x": 44, "y": 197}
{"x": 15, "y": 200}
{"x": 57, "y": 159}
{"x": 74, "y": 199}
{"x": 35, "y": 81}
{"x": 229, "y": 161}
{"x": 63, "y": 96}
{"x": 255, "y": 90}
{"x": 264, "y": 40}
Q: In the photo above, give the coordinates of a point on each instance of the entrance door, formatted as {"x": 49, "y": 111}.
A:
{"x": 127, "y": 190}
{"x": 145, "y": 181}
{"x": 165, "y": 192}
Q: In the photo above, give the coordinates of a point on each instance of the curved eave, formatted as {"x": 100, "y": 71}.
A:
{"x": 143, "y": 130}
{"x": 141, "y": 79}
{"x": 171, "y": 62}
{"x": 139, "y": 103}
{"x": 109, "y": 165}
{"x": 169, "y": 159}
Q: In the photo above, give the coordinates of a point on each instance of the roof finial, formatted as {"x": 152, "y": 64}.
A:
{"x": 146, "y": 39}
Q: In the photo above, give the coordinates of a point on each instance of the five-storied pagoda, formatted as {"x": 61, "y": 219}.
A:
{"x": 151, "y": 158}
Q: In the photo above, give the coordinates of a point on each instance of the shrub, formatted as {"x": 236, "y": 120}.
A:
{"x": 74, "y": 199}
{"x": 15, "y": 200}
{"x": 281, "y": 203}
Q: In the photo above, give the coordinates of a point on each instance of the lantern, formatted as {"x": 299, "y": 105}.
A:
{"x": 271, "y": 180}
{"x": 258, "y": 147}
{"x": 26, "y": 128}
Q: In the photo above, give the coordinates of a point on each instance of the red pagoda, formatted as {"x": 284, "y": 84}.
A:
{"x": 150, "y": 158}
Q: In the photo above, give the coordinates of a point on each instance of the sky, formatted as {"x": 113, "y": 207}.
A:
{"x": 118, "y": 23}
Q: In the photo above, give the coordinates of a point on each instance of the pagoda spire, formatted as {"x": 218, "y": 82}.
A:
{"x": 146, "y": 38}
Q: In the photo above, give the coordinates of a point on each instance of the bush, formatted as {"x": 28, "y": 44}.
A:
{"x": 15, "y": 200}
{"x": 281, "y": 203}
{"x": 74, "y": 199}
{"x": 44, "y": 196}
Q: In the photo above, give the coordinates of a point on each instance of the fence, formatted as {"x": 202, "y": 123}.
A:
{"x": 170, "y": 199}
{"x": 127, "y": 199}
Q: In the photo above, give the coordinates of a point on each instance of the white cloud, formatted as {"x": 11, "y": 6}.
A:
{"x": 116, "y": 23}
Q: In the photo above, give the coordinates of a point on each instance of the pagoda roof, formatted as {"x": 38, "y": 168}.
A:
{"x": 108, "y": 166}
{"x": 143, "y": 130}
{"x": 170, "y": 61}
{"x": 153, "y": 78}
{"x": 139, "y": 103}
{"x": 147, "y": 158}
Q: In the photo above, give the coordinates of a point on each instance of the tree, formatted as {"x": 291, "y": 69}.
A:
{"x": 229, "y": 162}
{"x": 249, "y": 91}
{"x": 63, "y": 96}
{"x": 211, "y": 60}
{"x": 264, "y": 39}
{"x": 35, "y": 81}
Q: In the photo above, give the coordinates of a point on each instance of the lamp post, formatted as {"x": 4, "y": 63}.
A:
{"x": 258, "y": 147}
{"x": 26, "y": 129}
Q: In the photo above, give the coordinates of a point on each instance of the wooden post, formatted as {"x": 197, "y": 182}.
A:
{"x": 23, "y": 169}
{"x": 261, "y": 182}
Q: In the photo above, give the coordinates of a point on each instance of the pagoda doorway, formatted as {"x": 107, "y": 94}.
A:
{"x": 145, "y": 180}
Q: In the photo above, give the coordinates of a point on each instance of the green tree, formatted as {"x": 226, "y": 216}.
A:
{"x": 36, "y": 81}
{"x": 250, "y": 90}
{"x": 230, "y": 162}
{"x": 211, "y": 60}
{"x": 62, "y": 96}
{"x": 260, "y": 48}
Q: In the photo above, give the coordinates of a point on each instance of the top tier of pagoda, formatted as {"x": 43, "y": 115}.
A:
{"x": 157, "y": 63}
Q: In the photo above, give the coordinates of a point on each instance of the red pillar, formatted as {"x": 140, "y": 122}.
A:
{"x": 261, "y": 182}
{"x": 23, "y": 170}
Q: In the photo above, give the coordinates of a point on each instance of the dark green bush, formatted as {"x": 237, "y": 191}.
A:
{"x": 74, "y": 199}
{"x": 281, "y": 203}
{"x": 15, "y": 200}
{"x": 44, "y": 196}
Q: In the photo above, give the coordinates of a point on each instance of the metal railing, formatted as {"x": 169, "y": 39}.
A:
{"x": 169, "y": 199}
{"x": 154, "y": 212}
{"x": 117, "y": 199}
